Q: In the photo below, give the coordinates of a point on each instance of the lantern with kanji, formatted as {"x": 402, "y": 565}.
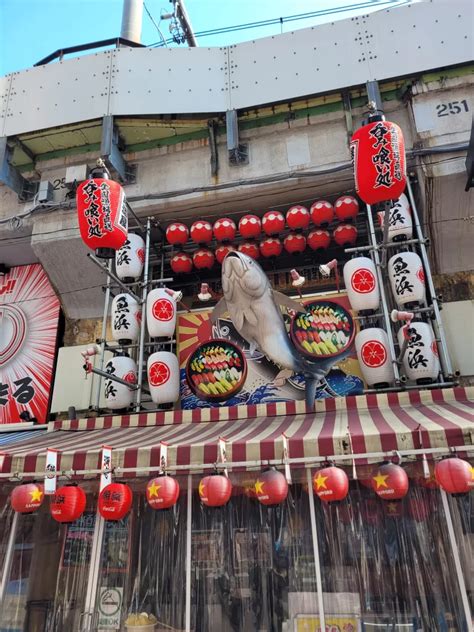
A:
{"x": 346, "y": 208}
{"x": 297, "y": 217}
{"x": 181, "y": 263}
{"x": 126, "y": 315}
{"x": 378, "y": 155}
{"x": 331, "y": 484}
{"x": 67, "y": 503}
{"x": 294, "y": 243}
{"x": 201, "y": 232}
{"x": 177, "y": 234}
{"x": 250, "y": 226}
{"x": 345, "y": 235}
{"x": 27, "y": 498}
{"x": 117, "y": 395}
{"x": 215, "y": 490}
{"x": 421, "y": 361}
{"x": 360, "y": 279}
{"x": 224, "y": 229}
{"x": 322, "y": 213}
{"x": 161, "y": 313}
{"x": 454, "y": 475}
{"x": 318, "y": 239}
{"x": 115, "y": 501}
{"x": 271, "y": 247}
{"x": 163, "y": 377}
{"x": 250, "y": 248}
{"x": 203, "y": 259}
{"x": 400, "y": 224}
{"x": 223, "y": 251}
{"x": 390, "y": 481}
{"x": 373, "y": 353}
{"x": 129, "y": 259}
{"x": 273, "y": 223}
{"x": 407, "y": 278}
{"x": 271, "y": 487}
{"x": 162, "y": 492}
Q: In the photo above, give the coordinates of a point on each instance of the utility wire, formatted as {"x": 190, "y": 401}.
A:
{"x": 157, "y": 26}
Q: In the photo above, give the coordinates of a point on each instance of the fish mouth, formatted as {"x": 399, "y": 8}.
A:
{"x": 234, "y": 263}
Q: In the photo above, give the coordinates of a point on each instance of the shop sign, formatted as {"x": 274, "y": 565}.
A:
{"x": 333, "y": 624}
{"x": 110, "y": 608}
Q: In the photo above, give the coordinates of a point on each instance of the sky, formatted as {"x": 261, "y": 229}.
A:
{"x": 32, "y": 29}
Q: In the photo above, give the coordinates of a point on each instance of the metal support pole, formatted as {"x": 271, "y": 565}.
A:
{"x": 7, "y": 564}
{"x": 109, "y": 273}
{"x": 141, "y": 348}
{"x": 317, "y": 564}
{"x": 188, "y": 553}
{"x": 87, "y": 617}
{"x": 386, "y": 223}
{"x": 132, "y": 17}
{"x": 113, "y": 378}
{"x": 103, "y": 336}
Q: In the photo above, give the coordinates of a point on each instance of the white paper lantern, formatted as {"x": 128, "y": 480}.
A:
{"x": 373, "y": 353}
{"x": 160, "y": 314}
{"x": 129, "y": 259}
{"x": 400, "y": 223}
{"x": 407, "y": 278}
{"x": 117, "y": 395}
{"x": 163, "y": 377}
{"x": 126, "y": 319}
{"x": 360, "y": 279}
{"x": 421, "y": 361}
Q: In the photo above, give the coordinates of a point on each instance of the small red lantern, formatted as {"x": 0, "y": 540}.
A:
{"x": 177, "y": 233}
{"x": 345, "y": 235}
{"x": 201, "y": 232}
{"x": 346, "y": 208}
{"x": 67, "y": 503}
{"x": 224, "y": 229}
{"x": 273, "y": 223}
{"x": 271, "y": 487}
{"x": 250, "y": 248}
{"x": 250, "y": 226}
{"x": 203, "y": 259}
{"x": 222, "y": 251}
{"x": 215, "y": 491}
{"x": 297, "y": 217}
{"x": 162, "y": 492}
{"x": 115, "y": 501}
{"x": 322, "y": 213}
{"x": 181, "y": 263}
{"x": 27, "y": 498}
{"x": 295, "y": 243}
{"x": 378, "y": 156}
{"x": 318, "y": 239}
{"x": 454, "y": 475}
{"x": 271, "y": 247}
{"x": 390, "y": 482}
{"x": 331, "y": 484}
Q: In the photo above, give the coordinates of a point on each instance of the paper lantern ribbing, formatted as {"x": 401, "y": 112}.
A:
{"x": 378, "y": 155}
{"x": 250, "y": 226}
{"x": 295, "y": 243}
{"x": 271, "y": 247}
{"x": 201, "y": 232}
{"x": 162, "y": 492}
{"x": 390, "y": 482}
{"x": 215, "y": 490}
{"x": 126, "y": 316}
{"x": 318, "y": 239}
{"x": 407, "y": 278}
{"x": 118, "y": 396}
{"x": 345, "y": 235}
{"x": 297, "y": 217}
{"x": 115, "y": 501}
{"x": 273, "y": 223}
{"x": 360, "y": 279}
{"x": 181, "y": 263}
{"x": 160, "y": 313}
{"x": 224, "y": 229}
{"x": 163, "y": 377}
{"x": 454, "y": 475}
{"x": 373, "y": 353}
{"x": 250, "y": 248}
{"x": 421, "y": 361}
{"x": 331, "y": 484}
{"x": 129, "y": 259}
{"x": 203, "y": 259}
{"x": 27, "y": 498}
{"x": 400, "y": 223}
{"x": 222, "y": 251}
{"x": 322, "y": 213}
{"x": 67, "y": 503}
{"x": 177, "y": 233}
{"x": 271, "y": 487}
{"x": 346, "y": 208}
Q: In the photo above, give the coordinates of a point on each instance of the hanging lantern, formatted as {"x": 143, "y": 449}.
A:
{"x": 163, "y": 377}
{"x": 360, "y": 279}
{"x": 201, "y": 232}
{"x": 129, "y": 259}
{"x": 345, "y": 235}
{"x": 454, "y": 475}
{"x": 295, "y": 243}
{"x": 271, "y": 247}
{"x": 346, "y": 208}
{"x": 126, "y": 316}
{"x": 378, "y": 156}
{"x": 298, "y": 217}
{"x": 271, "y": 487}
{"x": 322, "y": 213}
{"x": 27, "y": 498}
{"x": 421, "y": 361}
{"x": 177, "y": 233}
{"x": 390, "y": 482}
{"x": 400, "y": 224}
{"x": 215, "y": 490}
{"x": 181, "y": 263}
{"x": 250, "y": 248}
{"x": 224, "y": 229}
{"x": 250, "y": 226}
{"x": 160, "y": 313}
{"x": 407, "y": 278}
{"x": 162, "y": 492}
{"x": 331, "y": 484}
{"x": 318, "y": 239}
{"x": 115, "y": 501}
{"x": 67, "y": 503}
{"x": 118, "y": 395}
{"x": 373, "y": 353}
{"x": 102, "y": 215}
{"x": 203, "y": 259}
{"x": 223, "y": 251}
{"x": 273, "y": 223}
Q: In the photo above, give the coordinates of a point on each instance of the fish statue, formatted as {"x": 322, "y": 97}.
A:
{"x": 254, "y": 308}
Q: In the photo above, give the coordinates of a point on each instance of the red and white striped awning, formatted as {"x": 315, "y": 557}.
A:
{"x": 372, "y": 423}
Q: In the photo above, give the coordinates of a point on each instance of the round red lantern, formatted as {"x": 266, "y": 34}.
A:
{"x": 454, "y": 475}
{"x": 331, "y": 484}
{"x": 345, "y": 235}
{"x": 201, "y": 232}
{"x": 271, "y": 487}
{"x": 215, "y": 490}
{"x": 390, "y": 482}
{"x": 297, "y": 217}
{"x": 346, "y": 208}
{"x": 322, "y": 213}
{"x": 294, "y": 243}
{"x": 271, "y": 247}
{"x": 224, "y": 229}
{"x": 181, "y": 263}
{"x": 250, "y": 248}
{"x": 250, "y": 226}
{"x": 203, "y": 259}
{"x": 67, "y": 503}
{"x": 318, "y": 240}
{"x": 27, "y": 498}
{"x": 162, "y": 492}
{"x": 273, "y": 223}
{"x": 177, "y": 233}
{"x": 115, "y": 501}
{"x": 222, "y": 251}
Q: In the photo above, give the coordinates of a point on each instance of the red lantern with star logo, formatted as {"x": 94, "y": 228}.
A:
{"x": 181, "y": 263}
{"x": 318, "y": 239}
{"x": 162, "y": 492}
{"x": 346, "y": 208}
{"x": 273, "y": 223}
{"x": 271, "y": 487}
{"x": 454, "y": 475}
{"x": 27, "y": 498}
{"x": 250, "y": 226}
{"x": 177, "y": 233}
{"x": 203, "y": 259}
{"x": 223, "y": 251}
{"x": 215, "y": 490}
{"x": 250, "y": 248}
{"x": 67, "y": 503}
{"x": 322, "y": 213}
{"x": 294, "y": 243}
{"x": 224, "y": 229}
{"x": 331, "y": 484}
{"x": 115, "y": 501}
{"x": 390, "y": 482}
{"x": 201, "y": 232}
{"x": 271, "y": 247}
{"x": 297, "y": 217}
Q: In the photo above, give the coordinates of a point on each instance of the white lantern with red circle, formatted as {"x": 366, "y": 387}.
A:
{"x": 360, "y": 279}
{"x": 318, "y": 239}
{"x": 373, "y": 353}
{"x": 322, "y": 213}
{"x": 250, "y": 226}
{"x": 421, "y": 360}
{"x": 346, "y": 208}
{"x": 129, "y": 259}
{"x": 126, "y": 316}
{"x": 298, "y": 217}
{"x": 163, "y": 377}
{"x": 400, "y": 223}
{"x": 203, "y": 259}
{"x": 224, "y": 229}
{"x": 273, "y": 223}
{"x": 223, "y": 251}
{"x": 407, "y": 278}
{"x": 118, "y": 396}
{"x": 201, "y": 232}
{"x": 177, "y": 234}
{"x": 295, "y": 243}
{"x": 250, "y": 248}
{"x": 160, "y": 313}
{"x": 181, "y": 263}
{"x": 271, "y": 247}
{"x": 345, "y": 235}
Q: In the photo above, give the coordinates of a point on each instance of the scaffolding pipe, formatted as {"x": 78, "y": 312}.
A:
{"x": 109, "y": 273}
{"x": 103, "y": 333}
{"x": 141, "y": 348}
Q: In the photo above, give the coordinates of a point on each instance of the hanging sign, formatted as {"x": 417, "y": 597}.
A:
{"x": 106, "y": 467}
{"x": 50, "y": 477}
{"x": 110, "y": 608}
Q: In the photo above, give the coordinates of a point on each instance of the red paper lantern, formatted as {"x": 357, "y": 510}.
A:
{"x": 67, "y": 503}
{"x": 331, "y": 484}
{"x": 346, "y": 208}
{"x": 224, "y": 229}
{"x": 271, "y": 487}
{"x": 273, "y": 223}
{"x": 297, "y": 217}
{"x": 177, "y": 233}
{"x": 222, "y": 251}
{"x": 322, "y": 213}
{"x": 201, "y": 232}
{"x": 115, "y": 501}
{"x": 27, "y": 498}
{"x": 345, "y": 235}
{"x": 295, "y": 243}
{"x": 378, "y": 155}
{"x": 250, "y": 248}
{"x": 390, "y": 482}
{"x": 162, "y": 492}
{"x": 102, "y": 215}
{"x": 215, "y": 491}
{"x": 203, "y": 259}
{"x": 181, "y": 263}
{"x": 271, "y": 247}
{"x": 250, "y": 226}
{"x": 454, "y": 475}
{"x": 318, "y": 240}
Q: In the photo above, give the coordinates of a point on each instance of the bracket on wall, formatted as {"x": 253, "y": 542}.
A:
{"x": 238, "y": 153}
{"x": 111, "y": 147}
{"x": 373, "y": 94}
{"x": 11, "y": 177}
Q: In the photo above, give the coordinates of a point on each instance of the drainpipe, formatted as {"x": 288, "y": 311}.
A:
{"x": 132, "y": 17}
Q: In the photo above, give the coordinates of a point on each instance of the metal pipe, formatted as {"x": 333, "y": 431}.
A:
{"x": 189, "y": 525}
{"x": 141, "y": 349}
{"x": 163, "y": 280}
{"x": 109, "y": 376}
{"x": 132, "y": 18}
{"x": 7, "y": 562}
{"x": 317, "y": 563}
{"x": 109, "y": 273}
{"x": 415, "y": 387}
{"x": 103, "y": 335}
{"x": 183, "y": 17}
{"x": 386, "y": 222}
{"x": 389, "y": 244}
{"x": 87, "y": 617}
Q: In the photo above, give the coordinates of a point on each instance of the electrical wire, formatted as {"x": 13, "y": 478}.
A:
{"x": 157, "y": 26}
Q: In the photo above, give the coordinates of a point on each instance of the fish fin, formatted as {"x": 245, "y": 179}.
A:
{"x": 282, "y": 377}
{"x": 219, "y": 310}
{"x": 253, "y": 346}
{"x": 286, "y": 301}
{"x": 251, "y": 318}
{"x": 310, "y": 390}
{"x": 237, "y": 317}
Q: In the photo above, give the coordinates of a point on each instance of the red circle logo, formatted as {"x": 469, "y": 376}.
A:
{"x": 130, "y": 377}
{"x": 373, "y": 354}
{"x": 163, "y": 309}
{"x": 158, "y": 374}
{"x": 363, "y": 281}
{"x": 434, "y": 348}
{"x": 141, "y": 255}
{"x": 421, "y": 275}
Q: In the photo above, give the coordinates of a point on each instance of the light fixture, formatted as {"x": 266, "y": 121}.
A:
{"x": 397, "y": 316}
{"x": 297, "y": 281}
{"x": 177, "y": 296}
{"x": 325, "y": 270}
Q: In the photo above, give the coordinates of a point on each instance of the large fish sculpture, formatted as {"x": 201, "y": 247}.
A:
{"x": 253, "y": 307}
